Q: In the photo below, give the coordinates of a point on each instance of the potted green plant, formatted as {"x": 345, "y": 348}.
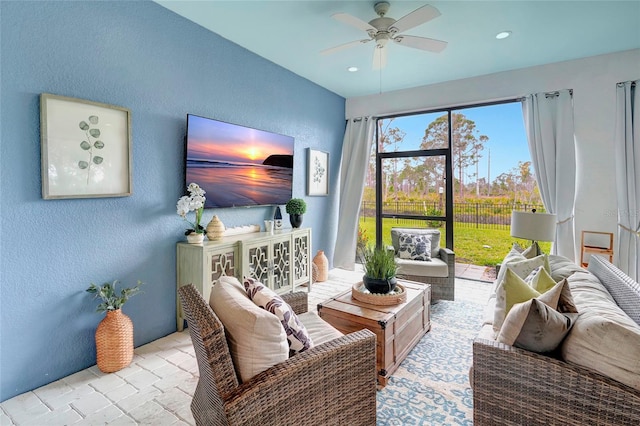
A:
{"x": 380, "y": 270}
{"x": 296, "y": 207}
{"x": 114, "y": 335}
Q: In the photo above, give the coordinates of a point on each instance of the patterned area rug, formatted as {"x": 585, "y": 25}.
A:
{"x": 431, "y": 386}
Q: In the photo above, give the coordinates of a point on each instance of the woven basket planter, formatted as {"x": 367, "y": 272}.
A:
{"x": 114, "y": 342}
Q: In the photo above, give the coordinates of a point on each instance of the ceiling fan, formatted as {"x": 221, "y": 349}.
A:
{"x": 383, "y": 29}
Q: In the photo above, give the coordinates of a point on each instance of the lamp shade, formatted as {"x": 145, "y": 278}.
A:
{"x": 533, "y": 226}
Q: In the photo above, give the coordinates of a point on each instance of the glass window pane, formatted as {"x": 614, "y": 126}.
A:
{"x": 413, "y": 132}
{"x": 414, "y": 186}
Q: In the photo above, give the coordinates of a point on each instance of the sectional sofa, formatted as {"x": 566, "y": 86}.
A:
{"x": 592, "y": 378}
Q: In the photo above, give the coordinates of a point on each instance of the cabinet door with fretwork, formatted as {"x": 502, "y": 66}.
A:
{"x": 301, "y": 257}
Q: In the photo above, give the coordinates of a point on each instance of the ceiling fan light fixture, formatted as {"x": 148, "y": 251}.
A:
{"x": 503, "y": 34}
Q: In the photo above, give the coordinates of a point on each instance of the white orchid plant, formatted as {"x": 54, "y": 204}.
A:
{"x": 194, "y": 202}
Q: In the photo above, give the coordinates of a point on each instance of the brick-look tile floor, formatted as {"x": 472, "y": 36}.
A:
{"x": 156, "y": 389}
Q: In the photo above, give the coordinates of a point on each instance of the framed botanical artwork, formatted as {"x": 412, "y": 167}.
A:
{"x": 85, "y": 148}
{"x": 318, "y": 173}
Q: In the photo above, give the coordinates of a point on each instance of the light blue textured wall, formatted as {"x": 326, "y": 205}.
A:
{"x": 143, "y": 57}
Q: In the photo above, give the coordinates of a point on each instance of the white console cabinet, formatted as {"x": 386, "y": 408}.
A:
{"x": 281, "y": 261}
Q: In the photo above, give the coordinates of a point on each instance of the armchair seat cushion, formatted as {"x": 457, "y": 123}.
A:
{"x": 435, "y": 268}
{"x": 319, "y": 330}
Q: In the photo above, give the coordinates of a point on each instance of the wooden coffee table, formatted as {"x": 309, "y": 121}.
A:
{"x": 397, "y": 327}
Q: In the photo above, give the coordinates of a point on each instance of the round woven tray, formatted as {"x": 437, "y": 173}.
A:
{"x": 398, "y": 295}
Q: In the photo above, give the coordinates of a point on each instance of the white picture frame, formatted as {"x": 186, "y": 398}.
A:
{"x": 317, "y": 172}
{"x": 85, "y": 148}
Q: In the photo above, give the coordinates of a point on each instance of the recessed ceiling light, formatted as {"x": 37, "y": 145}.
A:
{"x": 352, "y": 69}
{"x": 503, "y": 34}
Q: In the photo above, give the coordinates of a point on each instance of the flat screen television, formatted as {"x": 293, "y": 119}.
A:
{"x": 238, "y": 166}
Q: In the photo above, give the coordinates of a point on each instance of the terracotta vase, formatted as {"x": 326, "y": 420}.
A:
{"x": 321, "y": 261}
{"x": 114, "y": 342}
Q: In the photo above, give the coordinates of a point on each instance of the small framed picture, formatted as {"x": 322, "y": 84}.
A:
{"x": 85, "y": 148}
{"x": 318, "y": 173}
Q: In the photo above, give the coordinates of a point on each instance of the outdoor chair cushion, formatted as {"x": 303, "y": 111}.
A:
{"x": 435, "y": 268}
{"x": 319, "y": 330}
{"x": 256, "y": 337}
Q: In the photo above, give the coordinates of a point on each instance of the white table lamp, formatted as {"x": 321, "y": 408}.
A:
{"x": 533, "y": 226}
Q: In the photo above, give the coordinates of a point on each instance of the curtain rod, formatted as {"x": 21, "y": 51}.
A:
{"x": 556, "y": 93}
{"x": 621, "y": 83}
{"x": 360, "y": 119}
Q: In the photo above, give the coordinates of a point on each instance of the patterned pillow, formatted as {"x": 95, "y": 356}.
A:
{"x": 624, "y": 290}
{"x": 414, "y": 246}
{"x": 267, "y": 299}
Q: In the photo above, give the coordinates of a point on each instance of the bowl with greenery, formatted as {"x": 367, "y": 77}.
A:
{"x": 380, "y": 270}
{"x": 296, "y": 207}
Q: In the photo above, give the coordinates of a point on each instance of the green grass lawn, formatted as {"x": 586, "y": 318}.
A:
{"x": 478, "y": 246}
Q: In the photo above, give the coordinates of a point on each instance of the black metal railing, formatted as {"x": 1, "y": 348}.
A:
{"x": 479, "y": 215}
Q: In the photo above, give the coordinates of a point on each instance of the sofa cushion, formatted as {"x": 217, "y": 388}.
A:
{"x": 435, "y": 268}
{"x": 433, "y": 233}
{"x": 625, "y": 291}
{"x": 267, "y": 299}
{"x": 604, "y": 338}
{"x": 257, "y": 340}
{"x": 535, "y": 326}
{"x": 319, "y": 330}
{"x": 414, "y": 246}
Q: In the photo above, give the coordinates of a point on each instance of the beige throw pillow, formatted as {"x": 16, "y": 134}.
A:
{"x": 257, "y": 340}
{"x": 535, "y": 326}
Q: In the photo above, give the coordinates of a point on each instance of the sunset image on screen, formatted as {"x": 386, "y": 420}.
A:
{"x": 242, "y": 166}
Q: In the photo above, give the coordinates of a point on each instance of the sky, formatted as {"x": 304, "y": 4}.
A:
{"x": 216, "y": 140}
{"x": 503, "y": 124}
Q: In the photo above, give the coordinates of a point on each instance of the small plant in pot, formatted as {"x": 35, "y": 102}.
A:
{"x": 380, "y": 270}
{"x": 296, "y": 207}
{"x": 114, "y": 335}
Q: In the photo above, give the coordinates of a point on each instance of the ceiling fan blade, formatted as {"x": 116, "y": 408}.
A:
{"x": 379, "y": 58}
{"x": 422, "y": 43}
{"x": 343, "y": 46}
{"x": 353, "y": 21}
{"x": 415, "y": 18}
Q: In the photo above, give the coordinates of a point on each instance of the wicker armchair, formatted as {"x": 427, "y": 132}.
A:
{"x": 329, "y": 384}
{"x": 440, "y": 272}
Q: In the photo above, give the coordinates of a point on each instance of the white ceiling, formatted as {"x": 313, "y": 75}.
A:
{"x": 292, "y": 33}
